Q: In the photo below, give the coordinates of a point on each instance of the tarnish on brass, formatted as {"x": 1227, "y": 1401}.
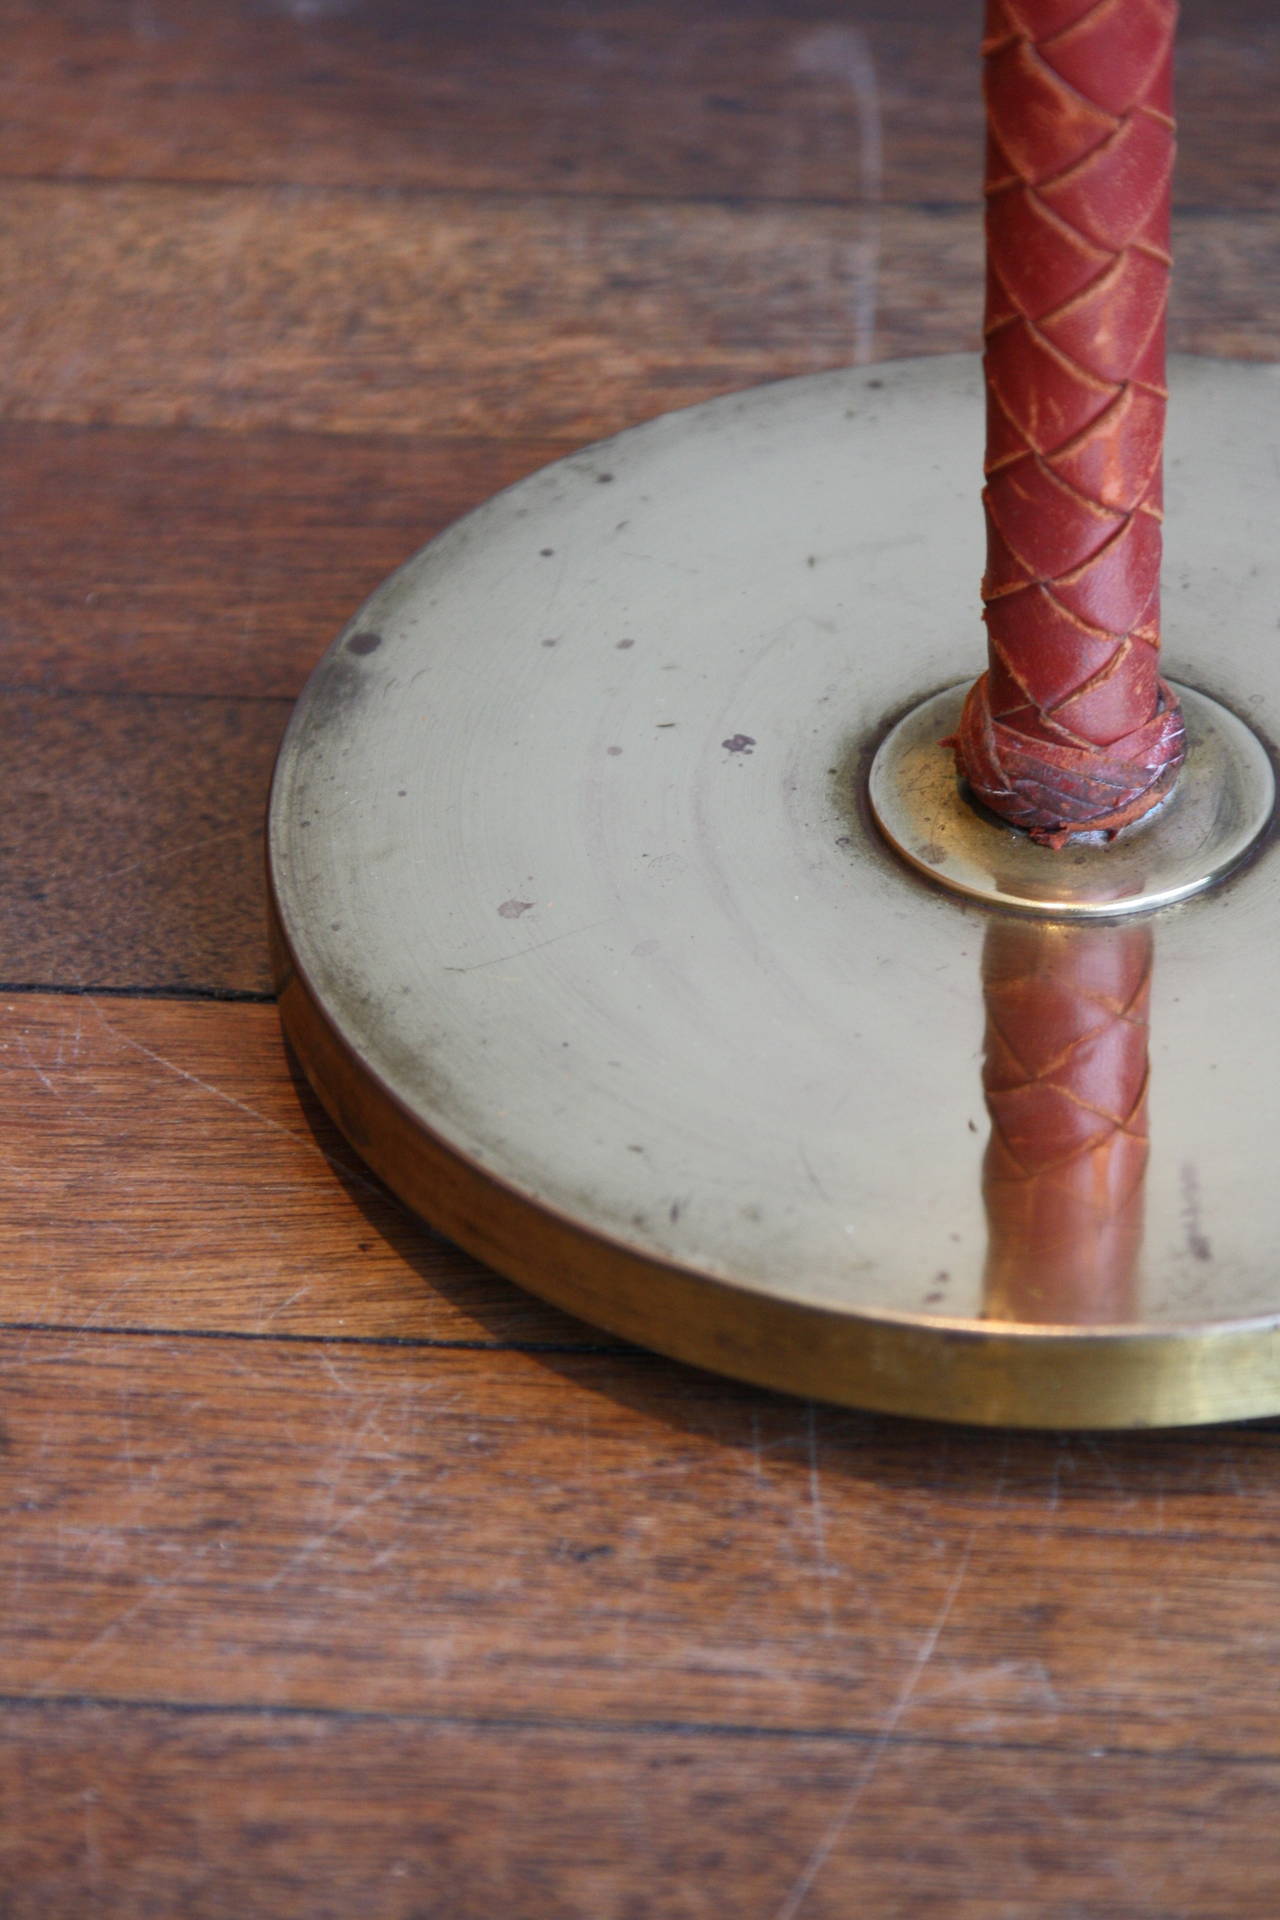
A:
{"x": 587, "y": 938}
{"x": 1219, "y": 806}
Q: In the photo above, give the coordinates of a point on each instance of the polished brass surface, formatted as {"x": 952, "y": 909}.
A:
{"x": 1219, "y": 808}
{"x": 587, "y": 939}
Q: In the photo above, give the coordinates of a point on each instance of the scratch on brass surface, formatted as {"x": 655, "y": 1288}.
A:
{"x": 811, "y": 1174}
{"x": 475, "y": 966}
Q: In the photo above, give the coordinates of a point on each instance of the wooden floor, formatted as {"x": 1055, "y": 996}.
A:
{"x": 339, "y": 1578}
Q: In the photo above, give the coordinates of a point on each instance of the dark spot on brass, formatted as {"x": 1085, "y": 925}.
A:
{"x": 614, "y": 752}
{"x": 877, "y": 384}
{"x": 551, "y": 643}
{"x": 364, "y": 642}
{"x": 603, "y": 479}
{"x": 738, "y": 743}
{"x": 545, "y": 553}
{"x": 624, "y": 644}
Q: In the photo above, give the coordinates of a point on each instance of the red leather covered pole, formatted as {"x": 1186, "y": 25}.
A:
{"x": 1065, "y": 1079}
{"x": 1071, "y": 728}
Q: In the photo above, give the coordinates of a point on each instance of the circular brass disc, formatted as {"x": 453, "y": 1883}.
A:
{"x": 587, "y": 940}
{"x": 1221, "y": 805}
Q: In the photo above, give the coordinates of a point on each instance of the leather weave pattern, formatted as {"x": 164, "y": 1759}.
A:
{"x": 1072, "y": 727}
{"x": 1065, "y": 1076}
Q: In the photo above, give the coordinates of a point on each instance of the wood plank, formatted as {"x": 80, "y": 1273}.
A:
{"x": 750, "y": 103}
{"x": 174, "y": 561}
{"x": 621, "y": 1540}
{"x": 133, "y": 852}
{"x": 753, "y": 101}
{"x": 142, "y": 1141}
{"x": 307, "y": 1817}
{"x": 258, "y": 309}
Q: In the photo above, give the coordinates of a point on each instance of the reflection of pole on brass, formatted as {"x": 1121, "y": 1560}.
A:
{"x": 1065, "y": 1079}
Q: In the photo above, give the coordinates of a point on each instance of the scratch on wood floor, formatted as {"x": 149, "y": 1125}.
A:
{"x": 246, "y": 831}
{"x": 826, "y": 1572}
{"x": 152, "y": 1597}
{"x": 49, "y": 1084}
{"x": 284, "y": 1305}
{"x": 327, "y": 1362}
{"x": 844, "y": 52}
{"x": 347, "y": 1167}
{"x": 757, "y": 1452}
{"x": 348, "y": 1518}
{"x": 875, "y": 1753}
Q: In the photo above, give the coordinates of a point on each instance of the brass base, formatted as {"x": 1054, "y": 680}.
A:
{"x": 586, "y": 937}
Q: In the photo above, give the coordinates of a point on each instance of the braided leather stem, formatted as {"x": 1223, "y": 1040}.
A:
{"x": 1072, "y": 729}
{"x": 1065, "y": 1079}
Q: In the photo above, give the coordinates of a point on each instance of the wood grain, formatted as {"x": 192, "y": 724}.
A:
{"x": 750, "y": 103}
{"x": 217, "y": 1813}
{"x": 141, "y": 1140}
{"x": 244, "y": 308}
{"x": 613, "y": 1538}
{"x": 253, "y": 308}
{"x": 186, "y": 562}
{"x": 133, "y": 850}
{"x": 753, "y": 101}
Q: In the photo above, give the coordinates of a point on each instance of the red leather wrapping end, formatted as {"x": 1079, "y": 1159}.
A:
{"x": 1055, "y": 790}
